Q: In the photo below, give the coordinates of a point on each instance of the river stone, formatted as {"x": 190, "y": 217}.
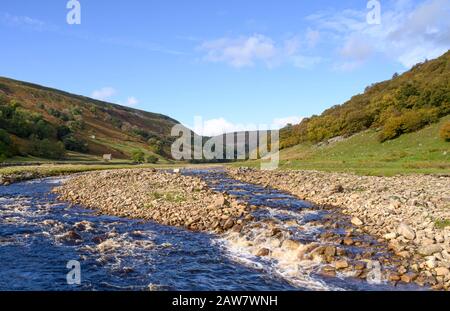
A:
{"x": 263, "y": 252}
{"x": 341, "y": 264}
{"x": 408, "y": 277}
{"x": 330, "y": 251}
{"x": 429, "y": 250}
{"x": 442, "y": 271}
{"x": 390, "y": 236}
{"x": 290, "y": 244}
{"x": 405, "y": 231}
{"x": 71, "y": 236}
{"x": 348, "y": 241}
{"x": 228, "y": 224}
{"x": 328, "y": 271}
{"x": 357, "y": 222}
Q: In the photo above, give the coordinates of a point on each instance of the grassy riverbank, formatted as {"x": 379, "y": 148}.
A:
{"x": 422, "y": 152}
{"x": 13, "y": 174}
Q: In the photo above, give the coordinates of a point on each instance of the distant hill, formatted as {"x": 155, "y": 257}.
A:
{"x": 404, "y": 104}
{"x": 47, "y": 123}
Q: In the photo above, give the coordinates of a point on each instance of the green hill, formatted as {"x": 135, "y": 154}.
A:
{"x": 404, "y": 104}
{"x": 38, "y": 123}
{"x": 423, "y": 151}
{"x": 397, "y": 126}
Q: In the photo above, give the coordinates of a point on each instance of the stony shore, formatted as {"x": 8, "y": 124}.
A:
{"x": 410, "y": 213}
{"x": 167, "y": 198}
{"x": 8, "y": 179}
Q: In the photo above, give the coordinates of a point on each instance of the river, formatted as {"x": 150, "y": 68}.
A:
{"x": 124, "y": 254}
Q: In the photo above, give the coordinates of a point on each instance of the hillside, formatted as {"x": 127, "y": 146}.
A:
{"x": 404, "y": 104}
{"x": 423, "y": 151}
{"x": 37, "y": 122}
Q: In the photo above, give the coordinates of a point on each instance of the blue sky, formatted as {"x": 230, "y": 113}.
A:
{"x": 232, "y": 62}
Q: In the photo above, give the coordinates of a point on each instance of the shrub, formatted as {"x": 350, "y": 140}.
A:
{"x": 77, "y": 125}
{"x": 75, "y": 144}
{"x": 409, "y": 121}
{"x": 46, "y": 148}
{"x": 142, "y": 133}
{"x": 62, "y": 131}
{"x": 76, "y": 111}
{"x": 138, "y": 157}
{"x": 392, "y": 129}
{"x": 43, "y": 129}
{"x": 445, "y": 131}
{"x": 152, "y": 159}
{"x": 6, "y": 146}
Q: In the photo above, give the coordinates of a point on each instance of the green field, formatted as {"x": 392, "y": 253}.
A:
{"x": 420, "y": 152}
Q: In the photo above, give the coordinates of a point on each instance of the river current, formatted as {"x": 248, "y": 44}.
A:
{"x": 37, "y": 242}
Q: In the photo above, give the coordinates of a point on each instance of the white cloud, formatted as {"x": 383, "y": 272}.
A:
{"x": 246, "y": 51}
{"x": 356, "y": 48}
{"x": 279, "y": 123}
{"x": 219, "y": 126}
{"x": 214, "y": 127}
{"x": 104, "y": 93}
{"x": 409, "y": 33}
{"x": 240, "y": 52}
{"x": 312, "y": 37}
{"x": 305, "y": 62}
{"x": 132, "y": 101}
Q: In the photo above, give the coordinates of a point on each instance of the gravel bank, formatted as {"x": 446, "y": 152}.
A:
{"x": 409, "y": 212}
{"x": 169, "y": 199}
{"x": 7, "y": 179}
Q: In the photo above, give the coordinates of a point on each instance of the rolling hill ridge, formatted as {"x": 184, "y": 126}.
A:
{"x": 45, "y": 123}
{"x": 404, "y": 104}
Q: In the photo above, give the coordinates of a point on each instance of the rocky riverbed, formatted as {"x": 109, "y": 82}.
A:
{"x": 167, "y": 198}
{"x": 410, "y": 213}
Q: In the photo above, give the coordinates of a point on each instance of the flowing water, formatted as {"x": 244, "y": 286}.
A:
{"x": 40, "y": 235}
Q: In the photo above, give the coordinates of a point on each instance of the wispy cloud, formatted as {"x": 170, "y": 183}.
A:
{"x": 279, "y": 123}
{"x": 240, "y": 52}
{"x": 39, "y": 25}
{"x": 140, "y": 44}
{"x": 25, "y": 22}
{"x": 104, "y": 93}
{"x": 132, "y": 101}
{"x": 247, "y": 51}
{"x": 108, "y": 93}
{"x": 409, "y": 33}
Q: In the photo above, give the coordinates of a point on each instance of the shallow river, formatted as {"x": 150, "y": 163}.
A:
{"x": 122, "y": 254}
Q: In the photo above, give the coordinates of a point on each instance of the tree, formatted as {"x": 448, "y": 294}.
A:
{"x": 63, "y": 131}
{"x": 138, "y": 157}
{"x": 46, "y": 148}
{"x": 73, "y": 143}
{"x": 6, "y": 146}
